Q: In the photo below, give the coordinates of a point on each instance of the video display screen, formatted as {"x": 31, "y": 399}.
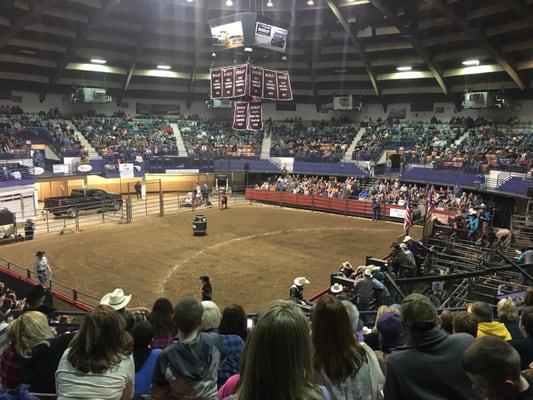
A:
{"x": 270, "y": 37}
{"x": 228, "y": 36}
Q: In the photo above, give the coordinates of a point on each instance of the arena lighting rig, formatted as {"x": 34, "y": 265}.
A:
{"x": 251, "y": 37}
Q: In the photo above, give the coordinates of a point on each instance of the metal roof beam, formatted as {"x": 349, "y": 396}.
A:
{"x": 82, "y": 36}
{"x": 355, "y": 42}
{"x": 33, "y": 14}
{"x": 198, "y": 38}
{"x": 445, "y": 10}
{"x": 519, "y": 8}
{"x": 414, "y": 41}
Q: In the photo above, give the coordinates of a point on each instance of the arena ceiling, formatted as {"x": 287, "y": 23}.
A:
{"x": 335, "y": 46}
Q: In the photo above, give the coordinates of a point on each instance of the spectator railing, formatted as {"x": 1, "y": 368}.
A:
{"x": 62, "y": 291}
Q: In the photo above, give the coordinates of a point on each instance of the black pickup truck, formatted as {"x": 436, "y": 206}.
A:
{"x": 83, "y": 200}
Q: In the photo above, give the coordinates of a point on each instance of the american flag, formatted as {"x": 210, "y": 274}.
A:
{"x": 431, "y": 204}
{"x": 408, "y": 220}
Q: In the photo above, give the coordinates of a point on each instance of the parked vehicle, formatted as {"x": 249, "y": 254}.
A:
{"x": 83, "y": 200}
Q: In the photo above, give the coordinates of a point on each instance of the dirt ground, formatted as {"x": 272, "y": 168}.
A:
{"x": 251, "y": 253}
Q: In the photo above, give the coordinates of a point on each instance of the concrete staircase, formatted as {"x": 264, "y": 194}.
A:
{"x": 182, "y": 149}
{"x": 265, "y": 147}
{"x": 355, "y": 142}
{"x": 93, "y": 155}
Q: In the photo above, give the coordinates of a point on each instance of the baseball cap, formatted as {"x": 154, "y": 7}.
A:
{"x": 418, "y": 310}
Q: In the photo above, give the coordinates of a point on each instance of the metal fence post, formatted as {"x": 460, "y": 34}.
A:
{"x": 103, "y": 211}
{"x": 76, "y": 219}
{"x": 47, "y": 225}
{"x": 161, "y": 203}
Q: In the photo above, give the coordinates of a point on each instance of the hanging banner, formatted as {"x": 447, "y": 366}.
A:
{"x": 240, "y": 80}
{"x": 216, "y": 83}
{"x": 240, "y": 116}
{"x": 256, "y": 81}
{"x": 228, "y": 82}
{"x": 284, "y": 86}
{"x": 270, "y": 87}
{"x": 255, "y": 117}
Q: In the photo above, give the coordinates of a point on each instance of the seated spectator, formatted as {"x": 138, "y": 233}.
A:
{"x": 144, "y": 356}
{"x": 10, "y": 364}
{"x": 464, "y": 322}
{"x": 277, "y": 360}
{"x": 188, "y": 368}
{"x": 524, "y": 345}
{"x": 344, "y": 366}
{"x": 118, "y": 301}
{"x": 4, "y": 329}
{"x": 234, "y": 322}
{"x": 233, "y": 344}
{"x": 508, "y": 314}
{"x": 99, "y": 363}
{"x": 482, "y": 312}
{"x": 355, "y": 322}
{"x": 391, "y": 333}
{"x": 429, "y": 366}
{"x": 162, "y": 323}
{"x": 493, "y": 366}
{"x": 38, "y": 349}
{"x": 446, "y": 321}
{"x": 372, "y": 338}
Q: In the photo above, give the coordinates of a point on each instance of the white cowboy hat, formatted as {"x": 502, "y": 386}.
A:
{"x": 117, "y": 300}
{"x": 471, "y": 211}
{"x": 403, "y": 246}
{"x": 368, "y": 271}
{"x": 336, "y": 288}
{"x": 301, "y": 281}
{"x": 346, "y": 264}
{"x": 407, "y": 238}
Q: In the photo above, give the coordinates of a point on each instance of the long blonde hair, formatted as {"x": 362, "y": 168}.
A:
{"x": 28, "y": 330}
{"x": 507, "y": 310}
{"x": 277, "y": 360}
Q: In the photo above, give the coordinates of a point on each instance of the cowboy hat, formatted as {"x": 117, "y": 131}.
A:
{"x": 346, "y": 264}
{"x": 471, "y": 211}
{"x": 117, "y": 300}
{"x": 368, "y": 271}
{"x": 336, "y": 288}
{"x": 301, "y": 281}
{"x": 407, "y": 238}
{"x": 403, "y": 246}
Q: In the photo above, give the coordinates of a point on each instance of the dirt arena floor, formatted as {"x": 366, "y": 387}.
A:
{"x": 252, "y": 254}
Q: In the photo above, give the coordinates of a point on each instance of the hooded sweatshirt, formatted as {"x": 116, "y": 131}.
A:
{"x": 493, "y": 328}
{"x": 188, "y": 370}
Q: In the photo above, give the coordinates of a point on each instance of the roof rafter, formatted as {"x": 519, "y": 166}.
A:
{"x": 198, "y": 38}
{"x": 414, "y": 41}
{"x": 445, "y": 10}
{"x": 82, "y": 36}
{"x": 309, "y": 54}
{"x": 355, "y": 42}
{"x": 34, "y": 13}
{"x": 519, "y": 9}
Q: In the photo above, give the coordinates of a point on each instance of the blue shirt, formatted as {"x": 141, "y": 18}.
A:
{"x": 229, "y": 366}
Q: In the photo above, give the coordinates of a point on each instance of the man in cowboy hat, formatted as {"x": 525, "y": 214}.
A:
{"x": 117, "y": 300}
{"x": 42, "y": 269}
{"x": 336, "y": 289}
{"x": 346, "y": 269}
{"x": 296, "y": 292}
{"x": 364, "y": 288}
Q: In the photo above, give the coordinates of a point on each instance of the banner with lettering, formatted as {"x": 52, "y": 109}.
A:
{"x": 240, "y": 116}
{"x": 240, "y": 80}
{"x": 255, "y": 117}
{"x": 256, "y": 81}
{"x": 270, "y": 85}
{"x": 216, "y": 83}
{"x": 284, "y": 86}
{"x": 228, "y": 83}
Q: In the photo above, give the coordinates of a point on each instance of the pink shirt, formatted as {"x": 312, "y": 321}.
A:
{"x": 229, "y": 388}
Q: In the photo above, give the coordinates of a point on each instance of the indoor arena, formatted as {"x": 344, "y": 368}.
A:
{"x": 266, "y": 199}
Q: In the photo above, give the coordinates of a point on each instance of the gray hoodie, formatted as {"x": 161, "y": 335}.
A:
{"x": 188, "y": 371}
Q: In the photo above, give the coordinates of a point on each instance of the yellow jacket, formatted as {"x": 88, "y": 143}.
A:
{"x": 493, "y": 328}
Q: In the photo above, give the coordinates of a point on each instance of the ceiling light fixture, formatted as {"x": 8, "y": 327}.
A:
{"x": 471, "y": 63}
{"x": 229, "y": 3}
{"x": 163, "y": 67}
{"x": 270, "y": 4}
{"x": 310, "y": 3}
{"x": 404, "y": 69}
{"x": 190, "y": 1}
{"x": 98, "y": 61}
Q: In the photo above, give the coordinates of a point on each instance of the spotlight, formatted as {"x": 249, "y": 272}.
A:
{"x": 167, "y": 67}
{"x": 98, "y": 61}
{"x": 213, "y": 54}
{"x": 229, "y": 3}
{"x": 310, "y": 3}
{"x": 190, "y": 1}
{"x": 471, "y": 63}
{"x": 248, "y": 49}
{"x": 284, "y": 57}
{"x": 270, "y": 4}
{"x": 404, "y": 69}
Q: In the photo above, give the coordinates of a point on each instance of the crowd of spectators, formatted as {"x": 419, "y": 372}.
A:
{"x": 312, "y": 141}
{"x": 125, "y": 138}
{"x": 211, "y": 139}
{"x": 195, "y": 351}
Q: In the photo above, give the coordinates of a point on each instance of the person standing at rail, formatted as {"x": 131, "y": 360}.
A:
{"x": 138, "y": 190}
{"x": 41, "y": 267}
{"x": 207, "y": 289}
{"x": 223, "y": 200}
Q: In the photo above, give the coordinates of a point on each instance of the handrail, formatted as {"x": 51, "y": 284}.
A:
{"x": 57, "y": 288}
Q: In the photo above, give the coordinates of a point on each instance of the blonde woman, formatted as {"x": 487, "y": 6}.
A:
{"x": 39, "y": 350}
{"x": 277, "y": 360}
{"x": 372, "y": 339}
{"x": 99, "y": 363}
{"x": 508, "y": 314}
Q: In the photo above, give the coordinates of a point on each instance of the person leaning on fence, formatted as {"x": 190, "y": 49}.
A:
{"x": 29, "y": 229}
{"x": 41, "y": 267}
